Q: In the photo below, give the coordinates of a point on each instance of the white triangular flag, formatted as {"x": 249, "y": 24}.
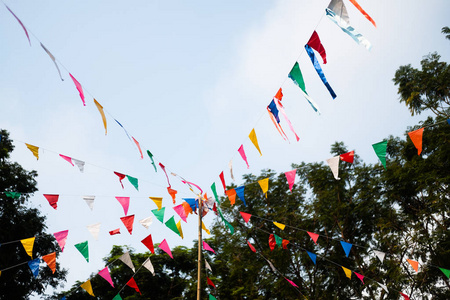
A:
{"x": 334, "y": 166}
{"x": 383, "y": 287}
{"x": 230, "y": 165}
{"x": 89, "y": 201}
{"x": 379, "y": 254}
{"x": 148, "y": 265}
{"x": 207, "y": 266}
{"x": 94, "y": 229}
{"x": 79, "y": 163}
{"x": 146, "y": 222}
{"x": 126, "y": 259}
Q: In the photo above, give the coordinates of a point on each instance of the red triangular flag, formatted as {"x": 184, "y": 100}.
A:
{"x": 131, "y": 283}
{"x": 272, "y": 242}
{"x": 404, "y": 296}
{"x": 209, "y": 281}
{"x": 416, "y": 138}
{"x": 314, "y": 236}
{"x": 246, "y": 216}
{"x": 285, "y": 243}
{"x": 148, "y": 242}
{"x": 348, "y": 157}
{"x": 314, "y": 42}
{"x": 139, "y": 147}
{"x": 128, "y": 222}
{"x": 251, "y": 247}
{"x": 121, "y": 177}
{"x": 115, "y": 231}
{"x": 290, "y": 176}
{"x": 222, "y": 179}
{"x": 52, "y": 200}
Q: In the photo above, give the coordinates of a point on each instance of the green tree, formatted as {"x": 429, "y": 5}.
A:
{"x": 20, "y": 221}
{"x": 173, "y": 279}
{"x": 426, "y": 89}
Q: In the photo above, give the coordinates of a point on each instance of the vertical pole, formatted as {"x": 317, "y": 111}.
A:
{"x": 199, "y": 262}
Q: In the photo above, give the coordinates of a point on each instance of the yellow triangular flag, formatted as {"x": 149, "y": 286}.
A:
{"x": 100, "y": 109}
{"x": 87, "y": 286}
{"x": 264, "y": 184}
{"x": 158, "y": 201}
{"x": 348, "y": 272}
{"x": 279, "y": 225}
{"x": 179, "y": 229}
{"x": 34, "y": 150}
{"x": 205, "y": 229}
{"x": 254, "y": 140}
{"x": 28, "y": 245}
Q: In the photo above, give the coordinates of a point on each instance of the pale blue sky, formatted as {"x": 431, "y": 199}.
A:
{"x": 189, "y": 80}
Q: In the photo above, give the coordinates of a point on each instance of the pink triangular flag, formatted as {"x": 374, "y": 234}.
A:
{"x": 361, "y": 277}
{"x": 105, "y": 274}
{"x": 79, "y": 88}
{"x": 165, "y": 247}
{"x": 290, "y": 176}
{"x": 242, "y": 153}
{"x": 245, "y": 216}
{"x": 20, "y": 22}
{"x": 68, "y": 159}
{"x": 61, "y": 238}
{"x": 139, "y": 147}
{"x": 314, "y": 236}
{"x": 291, "y": 282}
{"x": 125, "y": 202}
{"x": 207, "y": 247}
{"x": 179, "y": 209}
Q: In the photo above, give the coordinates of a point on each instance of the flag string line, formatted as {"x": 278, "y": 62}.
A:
{"x": 90, "y": 94}
{"x": 334, "y": 263}
{"x": 329, "y": 238}
{"x": 245, "y": 141}
{"x": 25, "y": 262}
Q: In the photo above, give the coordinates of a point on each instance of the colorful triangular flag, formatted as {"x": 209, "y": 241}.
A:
{"x": 165, "y": 247}
{"x": 416, "y": 138}
{"x": 254, "y": 139}
{"x": 128, "y": 222}
{"x": 159, "y": 214}
{"x": 84, "y": 249}
{"x": 52, "y": 200}
{"x": 290, "y": 176}
{"x": 380, "y": 150}
{"x": 134, "y": 181}
{"x": 61, "y": 238}
{"x": 104, "y": 273}
{"x": 240, "y": 193}
{"x": 149, "y": 266}
{"x": 346, "y": 246}
{"x": 242, "y": 153}
{"x": 50, "y": 259}
{"x": 312, "y": 256}
{"x": 126, "y": 259}
{"x": 348, "y": 272}
{"x": 28, "y": 245}
{"x": 148, "y": 242}
{"x": 34, "y": 266}
{"x": 34, "y": 150}
{"x": 158, "y": 201}
{"x": 87, "y": 286}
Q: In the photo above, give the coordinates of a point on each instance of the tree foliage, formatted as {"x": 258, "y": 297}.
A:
{"x": 20, "y": 221}
{"x": 426, "y": 89}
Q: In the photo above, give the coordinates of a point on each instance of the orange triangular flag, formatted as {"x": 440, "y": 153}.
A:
{"x": 416, "y": 138}
{"x": 50, "y": 259}
{"x": 231, "y": 195}
{"x": 102, "y": 113}
{"x": 414, "y": 264}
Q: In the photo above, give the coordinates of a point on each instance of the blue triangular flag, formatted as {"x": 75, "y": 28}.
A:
{"x": 313, "y": 256}
{"x": 347, "y": 247}
{"x": 240, "y": 193}
{"x": 63, "y": 298}
{"x": 448, "y": 121}
{"x": 34, "y": 266}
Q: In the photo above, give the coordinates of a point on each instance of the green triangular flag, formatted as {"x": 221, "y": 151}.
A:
{"x": 213, "y": 188}
{"x": 446, "y": 272}
{"x": 133, "y": 181}
{"x": 225, "y": 221}
{"x": 211, "y": 297}
{"x": 159, "y": 214}
{"x": 153, "y": 162}
{"x": 172, "y": 225}
{"x": 117, "y": 297}
{"x": 297, "y": 77}
{"x": 278, "y": 240}
{"x": 84, "y": 250}
{"x": 380, "y": 150}
{"x": 13, "y": 195}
